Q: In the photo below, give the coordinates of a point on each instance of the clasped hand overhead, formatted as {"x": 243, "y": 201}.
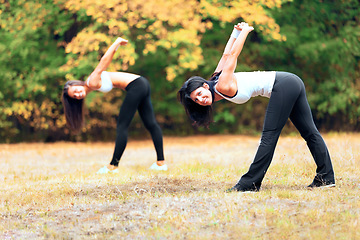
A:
{"x": 243, "y": 26}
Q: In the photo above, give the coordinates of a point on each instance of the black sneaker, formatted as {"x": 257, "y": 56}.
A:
{"x": 322, "y": 184}
{"x": 239, "y": 188}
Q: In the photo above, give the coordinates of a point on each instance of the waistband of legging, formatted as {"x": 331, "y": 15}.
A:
{"x": 136, "y": 82}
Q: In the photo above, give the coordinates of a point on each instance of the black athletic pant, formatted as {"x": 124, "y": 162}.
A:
{"x": 137, "y": 98}
{"x": 288, "y": 99}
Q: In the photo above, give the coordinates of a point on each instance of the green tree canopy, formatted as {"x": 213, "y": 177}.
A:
{"x": 44, "y": 43}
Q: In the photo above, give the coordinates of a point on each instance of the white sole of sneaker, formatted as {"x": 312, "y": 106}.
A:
{"x": 325, "y": 186}
{"x": 328, "y": 186}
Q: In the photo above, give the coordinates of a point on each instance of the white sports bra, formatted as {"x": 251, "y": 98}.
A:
{"x": 251, "y": 84}
{"x": 106, "y": 84}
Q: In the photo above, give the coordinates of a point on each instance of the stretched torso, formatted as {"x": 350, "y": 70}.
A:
{"x": 110, "y": 80}
{"x": 122, "y": 79}
{"x": 251, "y": 84}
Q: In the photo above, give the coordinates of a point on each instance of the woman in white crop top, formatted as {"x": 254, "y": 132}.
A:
{"x": 137, "y": 99}
{"x": 287, "y": 100}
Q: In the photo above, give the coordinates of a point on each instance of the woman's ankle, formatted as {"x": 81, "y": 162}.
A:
{"x": 160, "y": 163}
{"x": 112, "y": 167}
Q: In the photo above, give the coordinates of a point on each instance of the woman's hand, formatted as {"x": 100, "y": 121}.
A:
{"x": 246, "y": 27}
{"x": 243, "y": 26}
{"x": 121, "y": 41}
{"x": 239, "y": 26}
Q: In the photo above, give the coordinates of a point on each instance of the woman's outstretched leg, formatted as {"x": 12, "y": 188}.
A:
{"x": 148, "y": 117}
{"x": 302, "y": 118}
{"x": 285, "y": 92}
{"x": 127, "y": 111}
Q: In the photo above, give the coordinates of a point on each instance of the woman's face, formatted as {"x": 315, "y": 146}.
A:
{"x": 202, "y": 95}
{"x": 77, "y": 92}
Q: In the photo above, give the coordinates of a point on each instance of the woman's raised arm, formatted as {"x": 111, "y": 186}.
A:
{"x": 227, "y": 82}
{"x": 235, "y": 33}
{"x": 94, "y": 78}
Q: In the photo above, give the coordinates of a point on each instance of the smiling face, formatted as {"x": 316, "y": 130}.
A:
{"x": 77, "y": 92}
{"x": 202, "y": 95}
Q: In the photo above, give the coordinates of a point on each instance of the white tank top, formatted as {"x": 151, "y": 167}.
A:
{"x": 251, "y": 84}
{"x": 106, "y": 83}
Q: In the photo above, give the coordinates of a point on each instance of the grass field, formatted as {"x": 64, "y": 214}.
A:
{"x": 51, "y": 191}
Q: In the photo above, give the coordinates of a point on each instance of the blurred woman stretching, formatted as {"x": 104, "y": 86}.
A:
{"x": 137, "y": 98}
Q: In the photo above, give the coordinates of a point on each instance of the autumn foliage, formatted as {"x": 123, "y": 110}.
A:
{"x": 44, "y": 43}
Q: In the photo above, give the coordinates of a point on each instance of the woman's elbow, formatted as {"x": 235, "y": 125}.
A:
{"x": 223, "y": 88}
{"x": 93, "y": 85}
{"x": 95, "y": 78}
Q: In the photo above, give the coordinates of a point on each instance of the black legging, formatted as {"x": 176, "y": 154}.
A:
{"x": 137, "y": 98}
{"x": 288, "y": 99}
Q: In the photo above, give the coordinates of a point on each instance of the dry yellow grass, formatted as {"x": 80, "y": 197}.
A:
{"x": 52, "y": 191}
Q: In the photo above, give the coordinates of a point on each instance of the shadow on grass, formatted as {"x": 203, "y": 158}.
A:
{"x": 154, "y": 185}
{"x": 283, "y": 187}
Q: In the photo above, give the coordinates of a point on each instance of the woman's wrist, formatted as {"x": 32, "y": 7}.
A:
{"x": 117, "y": 43}
{"x": 235, "y": 33}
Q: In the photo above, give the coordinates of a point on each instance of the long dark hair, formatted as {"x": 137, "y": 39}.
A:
{"x": 73, "y": 108}
{"x": 199, "y": 115}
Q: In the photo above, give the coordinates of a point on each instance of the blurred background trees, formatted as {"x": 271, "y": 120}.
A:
{"x": 45, "y": 43}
